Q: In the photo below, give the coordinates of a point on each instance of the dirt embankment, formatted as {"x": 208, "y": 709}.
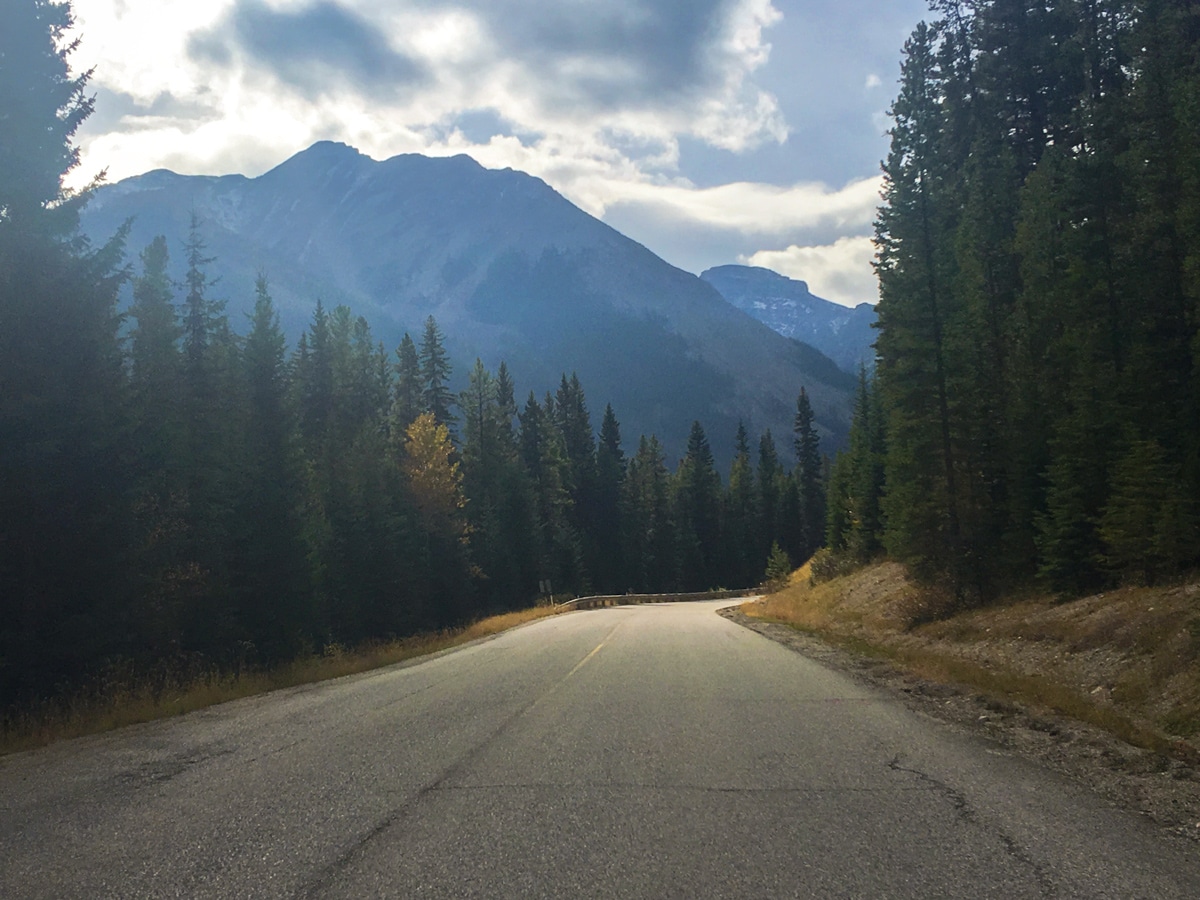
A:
{"x": 1106, "y": 688}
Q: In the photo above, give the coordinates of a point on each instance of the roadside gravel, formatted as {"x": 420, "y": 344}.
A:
{"x": 1165, "y": 790}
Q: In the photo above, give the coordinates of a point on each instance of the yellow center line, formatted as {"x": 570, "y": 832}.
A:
{"x": 579, "y": 665}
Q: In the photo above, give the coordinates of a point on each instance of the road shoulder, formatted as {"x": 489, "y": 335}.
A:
{"x": 1164, "y": 790}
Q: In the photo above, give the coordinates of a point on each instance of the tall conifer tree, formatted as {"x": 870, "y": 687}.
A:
{"x": 697, "y": 512}
{"x": 271, "y": 568}
{"x": 407, "y": 400}
{"x": 915, "y": 251}
{"x": 435, "y": 374}
{"x": 606, "y": 516}
{"x": 810, "y": 478}
{"x": 744, "y": 561}
{"x": 649, "y": 543}
{"x": 160, "y": 500}
{"x": 64, "y": 523}
{"x": 770, "y": 476}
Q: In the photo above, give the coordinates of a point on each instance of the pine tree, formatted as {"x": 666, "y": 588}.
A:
{"x": 779, "y": 568}
{"x": 65, "y": 526}
{"x": 743, "y": 559}
{"x": 770, "y": 476}
{"x": 606, "y": 514}
{"x": 649, "y": 544}
{"x": 1038, "y": 362}
{"x": 573, "y": 422}
{"x": 160, "y": 500}
{"x": 790, "y": 531}
{"x": 483, "y": 460}
{"x": 915, "y": 248}
{"x": 384, "y": 567}
{"x": 1149, "y": 527}
{"x": 156, "y": 371}
{"x": 1035, "y": 291}
{"x": 560, "y": 548}
{"x": 854, "y": 522}
{"x": 480, "y": 415}
{"x": 314, "y": 384}
{"x": 502, "y": 512}
{"x": 212, "y": 457}
{"x": 154, "y": 342}
{"x": 348, "y": 396}
{"x": 505, "y": 401}
{"x": 367, "y": 381}
{"x": 42, "y": 107}
{"x": 697, "y": 512}
{"x": 810, "y": 479}
{"x": 199, "y": 313}
{"x": 407, "y": 400}
{"x": 435, "y": 374}
{"x": 1161, "y": 172}
{"x": 270, "y": 577}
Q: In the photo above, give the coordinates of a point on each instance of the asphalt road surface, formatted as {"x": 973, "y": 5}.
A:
{"x": 654, "y": 751}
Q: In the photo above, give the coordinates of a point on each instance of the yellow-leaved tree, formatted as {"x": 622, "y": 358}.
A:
{"x": 434, "y": 477}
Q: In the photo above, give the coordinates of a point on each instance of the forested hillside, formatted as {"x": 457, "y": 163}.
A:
{"x": 177, "y": 499}
{"x": 1036, "y": 411}
{"x": 512, "y": 270}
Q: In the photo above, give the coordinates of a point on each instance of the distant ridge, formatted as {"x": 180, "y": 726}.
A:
{"x": 787, "y": 306}
{"x": 511, "y": 270}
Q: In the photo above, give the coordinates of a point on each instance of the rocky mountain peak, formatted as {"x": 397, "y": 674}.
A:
{"x": 510, "y": 268}
{"x": 787, "y": 306}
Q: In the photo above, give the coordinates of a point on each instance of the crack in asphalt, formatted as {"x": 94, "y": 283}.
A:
{"x": 694, "y": 788}
{"x": 966, "y": 813}
{"x": 316, "y": 887}
{"x": 956, "y": 797}
{"x": 274, "y": 751}
{"x": 168, "y": 768}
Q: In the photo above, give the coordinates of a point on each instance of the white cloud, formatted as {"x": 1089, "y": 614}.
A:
{"x": 136, "y": 46}
{"x": 840, "y": 272}
{"x": 873, "y": 81}
{"x": 224, "y": 57}
{"x": 762, "y": 209}
{"x": 598, "y": 112}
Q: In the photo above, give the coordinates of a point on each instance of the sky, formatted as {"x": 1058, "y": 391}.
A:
{"x": 711, "y": 131}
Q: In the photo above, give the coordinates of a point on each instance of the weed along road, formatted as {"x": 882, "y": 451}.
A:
{"x": 652, "y": 751}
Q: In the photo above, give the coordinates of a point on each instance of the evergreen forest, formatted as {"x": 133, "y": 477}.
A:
{"x": 180, "y": 492}
{"x": 1034, "y": 416}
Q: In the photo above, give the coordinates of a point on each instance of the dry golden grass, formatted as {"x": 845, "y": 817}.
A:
{"x": 134, "y": 703}
{"x": 870, "y": 599}
{"x": 1127, "y": 660}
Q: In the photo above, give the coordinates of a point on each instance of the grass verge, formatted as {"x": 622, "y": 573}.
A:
{"x": 1127, "y": 661}
{"x": 118, "y": 705}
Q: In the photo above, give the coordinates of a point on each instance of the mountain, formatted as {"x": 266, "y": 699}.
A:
{"x": 843, "y": 334}
{"x": 510, "y": 269}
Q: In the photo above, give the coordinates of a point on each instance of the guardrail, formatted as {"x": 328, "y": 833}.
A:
{"x": 602, "y": 601}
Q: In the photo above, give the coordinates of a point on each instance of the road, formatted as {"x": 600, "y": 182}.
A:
{"x": 654, "y": 751}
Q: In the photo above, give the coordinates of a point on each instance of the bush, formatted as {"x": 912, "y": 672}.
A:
{"x": 1148, "y": 526}
{"x": 827, "y": 565}
{"x": 779, "y": 568}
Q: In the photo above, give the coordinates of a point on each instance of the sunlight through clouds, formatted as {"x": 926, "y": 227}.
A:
{"x": 762, "y": 208}
{"x": 421, "y": 65}
{"x": 597, "y": 97}
{"x": 840, "y": 272}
